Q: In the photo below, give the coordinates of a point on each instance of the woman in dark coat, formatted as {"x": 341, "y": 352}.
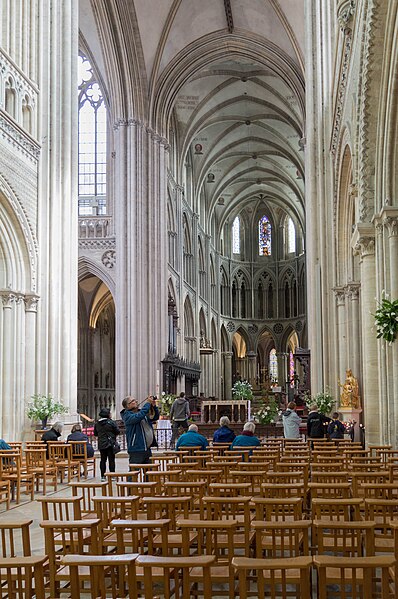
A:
{"x": 106, "y": 430}
{"x": 77, "y": 434}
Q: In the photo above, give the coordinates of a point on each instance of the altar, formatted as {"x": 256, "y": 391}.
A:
{"x": 237, "y": 410}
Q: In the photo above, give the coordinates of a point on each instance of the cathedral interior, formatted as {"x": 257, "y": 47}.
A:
{"x": 193, "y": 193}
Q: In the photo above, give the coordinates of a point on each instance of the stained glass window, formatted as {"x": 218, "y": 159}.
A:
{"x": 273, "y": 366}
{"x": 92, "y": 142}
{"x": 291, "y": 235}
{"x": 236, "y": 236}
{"x": 264, "y": 236}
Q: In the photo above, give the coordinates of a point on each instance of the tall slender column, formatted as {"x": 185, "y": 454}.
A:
{"x": 7, "y": 345}
{"x": 365, "y": 246}
{"x": 227, "y": 375}
{"x": 355, "y": 334}
{"x": 252, "y": 367}
{"x": 392, "y": 226}
{"x": 31, "y": 301}
{"x": 341, "y": 331}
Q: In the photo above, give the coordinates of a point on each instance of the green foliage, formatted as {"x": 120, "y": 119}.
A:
{"x": 44, "y": 406}
{"x": 166, "y": 401}
{"x": 269, "y": 412}
{"x": 324, "y": 401}
{"x": 242, "y": 390}
{"x": 386, "y": 320}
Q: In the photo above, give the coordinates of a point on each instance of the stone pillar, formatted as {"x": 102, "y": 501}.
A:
{"x": 251, "y": 367}
{"x": 227, "y": 375}
{"x": 392, "y": 227}
{"x": 364, "y": 244}
{"x": 354, "y": 332}
{"x": 8, "y": 300}
{"x": 141, "y": 258}
{"x": 341, "y": 332}
{"x": 31, "y": 301}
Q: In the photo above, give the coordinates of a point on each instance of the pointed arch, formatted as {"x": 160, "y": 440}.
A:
{"x": 264, "y": 236}
{"x": 189, "y": 331}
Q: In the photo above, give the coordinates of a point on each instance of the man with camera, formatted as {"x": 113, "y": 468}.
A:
{"x": 139, "y": 432}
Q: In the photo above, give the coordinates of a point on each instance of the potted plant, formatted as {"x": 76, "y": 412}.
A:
{"x": 324, "y": 401}
{"x": 242, "y": 390}
{"x": 386, "y": 320}
{"x": 43, "y": 407}
{"x": 268, "y": 413}
{"x": 166, "y": 401}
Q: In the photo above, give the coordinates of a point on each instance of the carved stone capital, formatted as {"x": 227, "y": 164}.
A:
{"x": 339, "y": 293}
{"x": 353, "y": 291}
{"x": 391, "y": 223}
{"x": 345, "y": 14}
{"x": 8, "y": 298}
{"x": 31, "y": 301}
{"x": 365, "y": 246}
{"x": 127, "y": 123}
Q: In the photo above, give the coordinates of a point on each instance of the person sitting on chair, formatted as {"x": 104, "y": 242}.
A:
{"x": 192, "y": 439}
{"x": 224, "y": 434}
{"x": 247, "y": 438}
{"x": 76, "y": 434}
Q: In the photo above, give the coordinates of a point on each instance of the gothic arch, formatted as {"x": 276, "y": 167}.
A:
{"x": 87, "y": 266}
{"x": 346, "y": 219}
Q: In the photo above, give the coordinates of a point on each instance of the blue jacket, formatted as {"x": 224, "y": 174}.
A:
{"x": 224, "y": 435}
{"x": 192, "y": 439}
{"x": 134, "y": 431}
{"x": 336, "y": 429}
{"x": 245, "y": 441}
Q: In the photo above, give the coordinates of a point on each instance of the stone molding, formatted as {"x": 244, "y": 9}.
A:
{"x": 341, "y": 91}
{"x": 345, "y": 14}
{"x": 340, "y": 295}
{"x": 109, "y": 258}
{"x": 16, "y": 137}
{"x": 140, "y": 124}
{"x": 9, "y": 298}
{"x": 97, "y": 244}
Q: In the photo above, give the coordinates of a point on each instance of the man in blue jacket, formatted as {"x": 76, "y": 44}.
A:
{"x": 192, "y": 439}
{"x": 139, "y": 432}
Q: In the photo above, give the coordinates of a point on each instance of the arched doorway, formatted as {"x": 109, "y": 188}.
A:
{"x": 96, "y": 347}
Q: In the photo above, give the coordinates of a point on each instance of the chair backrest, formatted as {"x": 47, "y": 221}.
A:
{"x": 291, "y": 576}
{"x": 176, "y": 574}
{"x": 167, "y": 508}
{"x": 230, "y": 489}
{"x": 278, "y": 509}
{"x": 349, "y": 539}
{"x": 139, "y": 536}
{"x": 36, "y": 458}
{"x": 335, "y": 490}
{"x": 87, "y": 490}
{"x": 110, "y": 508}
{"x": 366, "y": 577}
{"x": 282, "y": 538}
{"x": 254, "y": 477}
{"x": 126, "y": 488}
{"x": 114, "y": 477}
{"x": 109, "y": 575}
{"x": 336, "y": 509}
{"x": 328, "y": 477}
{"x": 10, "y": 463}
{"x": 229, "y": 508}
{"x": 79, "y": 450}
{"x": 61, "y": 508}
{"x": 283, "y": 490}
{"x": 15, "y": 538}
{"x": 22, "y": 577}
{"x": 215, "y": 537}
{"x": 59, "y": 452}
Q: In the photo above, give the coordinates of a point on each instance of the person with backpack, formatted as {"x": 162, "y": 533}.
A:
{"x": 316, "y": 423}
{"x": 106, "y": 430}
{"x": 139, "y": 432}
{"x": 336, "y": 428}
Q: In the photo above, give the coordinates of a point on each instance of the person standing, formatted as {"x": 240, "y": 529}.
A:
{"x": 291, "y": 422}
{"x": 106, "y": 430}
{"x": 179, "y": 415}
{"x": 139, "y": 431}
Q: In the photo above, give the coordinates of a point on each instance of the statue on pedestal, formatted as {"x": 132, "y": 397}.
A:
{"x": 349, "y": 397}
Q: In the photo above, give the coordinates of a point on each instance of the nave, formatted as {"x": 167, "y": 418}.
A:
{"x": 280, "y": 522}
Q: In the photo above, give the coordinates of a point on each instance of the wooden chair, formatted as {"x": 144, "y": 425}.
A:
{"x": 183, "y": 488}
{"x": 164, "y": 460}
{"x": 101, "y": 575}
{"x": 15, "y": 538}
{"x": 38, "y": 465}
{"x": 278, "y": 509}
{"x": 360, "y": 478}
{"x": 11, "y": 470}
{"x": 76, "y": 537}
{"x": 283, "y": 491}
{"x": 5, "y": 492}
{"x": 208, "y": 476}
{"x": 114, "y": 477}
{"x": 79, "y": 453}
{"x": 382, "y": 512}
{"x": 357, "y": 578}
{"x": 142, "y": 470}
{"x": 140, "y": 536}
{"x": 254, "y": 477}
{"x": 22, "y": 577}
{"x": 330, "y": 478}
{"x": 87, "y": 490}
{"x": 229, "y": 489}
{"x": 336, "y": 509}
{"x": 281, "y": 538}
{"x": 200, "y": 456}
{"x": 292, "y": 577}
{"x": 60, "y": 456}
{"x": 169, "y": 508}
{"x": 326, "y": 490}
{"x": 345, "y": 539}
{"x": 217, "y": 538}
{"x": 244, "y": 452}
{"x": 176, "y": 575}
{"x": 142, "y": 489}
{"x": 163, "y": 476}
{"x": 380, "y": 491}
{"x": 113, "y": 508}
{"x": 253, "y": 466}
{"x": 231, "y": 508}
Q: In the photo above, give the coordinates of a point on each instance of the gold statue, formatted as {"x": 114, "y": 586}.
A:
{"x": 349, "y": 397}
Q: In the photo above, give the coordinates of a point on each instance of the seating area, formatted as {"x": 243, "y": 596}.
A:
{"x": 287, "y": 520}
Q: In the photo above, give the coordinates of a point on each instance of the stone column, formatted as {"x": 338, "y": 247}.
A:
{"x": 364, "y": 245}
{"x": 354, "y": 332}
{"x": 8, "y": 300}
{"x": 227, "y": 375}
{"x": 341, "y": 332}
{"x": 391, "y": 222}
{"x": 31, "y": 302}
{"x": 251, "y": 356}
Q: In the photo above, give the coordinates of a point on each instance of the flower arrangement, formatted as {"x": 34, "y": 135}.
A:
{"x": 242, "y": 390}
{"x": 166, "y": 401}
{"x": 42, "y": 407}
{"x": 269, "y": 412}
{"x": 386, "y": 320}
{"x": 324, "y": 401}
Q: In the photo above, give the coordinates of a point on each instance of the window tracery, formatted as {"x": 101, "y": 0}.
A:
{"x": 236, "y": 235}
{"x": 264, "y": 236}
